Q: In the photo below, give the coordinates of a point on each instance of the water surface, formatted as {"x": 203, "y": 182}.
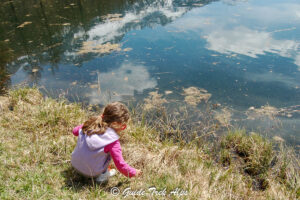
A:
{"x": 246, "y": 54}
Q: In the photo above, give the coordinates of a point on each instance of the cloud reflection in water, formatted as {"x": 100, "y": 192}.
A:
{"x": 227, "y": 32}
{"x": 123, "y": 81}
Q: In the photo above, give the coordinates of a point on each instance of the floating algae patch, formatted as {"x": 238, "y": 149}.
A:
{"x": 90, "y": 47}
{"x": 94, "y": 86}
{"x": 24, "y": 24}
{"x": 168, "y": 92}
{"x": 264, "y": 111}
{"x": 127, "y": 49}
{"x": 223, "y": 117}
{"x": 193, "y": 95}
{"x": 291, "y": 111}
{"x": 52, "y": 46}
{"x": 272, "y": 112}
{"x": 198, "y": 4}
{"x": 154, "y": 100}
{"x": 63, "y": 24}
{"x": 112, "y": 17}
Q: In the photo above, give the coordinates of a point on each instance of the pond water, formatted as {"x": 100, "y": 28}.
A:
{"x": 242, "y": 56}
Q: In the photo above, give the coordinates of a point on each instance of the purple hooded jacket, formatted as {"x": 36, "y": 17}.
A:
{"x": 89, "y": 157}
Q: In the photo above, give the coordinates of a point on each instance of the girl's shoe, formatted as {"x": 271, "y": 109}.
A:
{"x": 104, "y": 177}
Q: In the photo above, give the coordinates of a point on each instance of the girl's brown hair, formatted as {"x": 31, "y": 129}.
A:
{"x": 113, "y": 112}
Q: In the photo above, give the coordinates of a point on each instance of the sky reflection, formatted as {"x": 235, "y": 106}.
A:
{"x": 249, "y": 30}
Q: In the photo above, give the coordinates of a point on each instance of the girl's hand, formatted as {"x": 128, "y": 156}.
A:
{"x": 138, "y": 173}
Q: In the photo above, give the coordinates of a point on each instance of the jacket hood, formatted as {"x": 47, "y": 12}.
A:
{"x": 98, "y": 141}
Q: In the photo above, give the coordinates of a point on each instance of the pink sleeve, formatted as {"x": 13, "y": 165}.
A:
{"x": 76, "y": 130}
{"x": 116, "y": 153}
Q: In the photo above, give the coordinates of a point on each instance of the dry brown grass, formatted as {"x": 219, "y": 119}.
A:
{"x": 36, "y": 144}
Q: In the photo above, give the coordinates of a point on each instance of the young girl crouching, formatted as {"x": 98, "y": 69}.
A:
{"x": 98, "y": 142}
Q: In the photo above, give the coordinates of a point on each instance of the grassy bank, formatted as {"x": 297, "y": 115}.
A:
{"x": 36, "y": 144}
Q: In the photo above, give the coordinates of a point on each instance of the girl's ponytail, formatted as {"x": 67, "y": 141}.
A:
{"x": 94, "y": 125}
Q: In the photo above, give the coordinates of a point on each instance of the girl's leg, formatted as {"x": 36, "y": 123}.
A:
{"x": 105, "y": 175}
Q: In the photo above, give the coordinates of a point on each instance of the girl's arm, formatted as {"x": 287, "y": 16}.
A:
{"x": 76, "y": 130}
{"x": 116, "y": 153}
